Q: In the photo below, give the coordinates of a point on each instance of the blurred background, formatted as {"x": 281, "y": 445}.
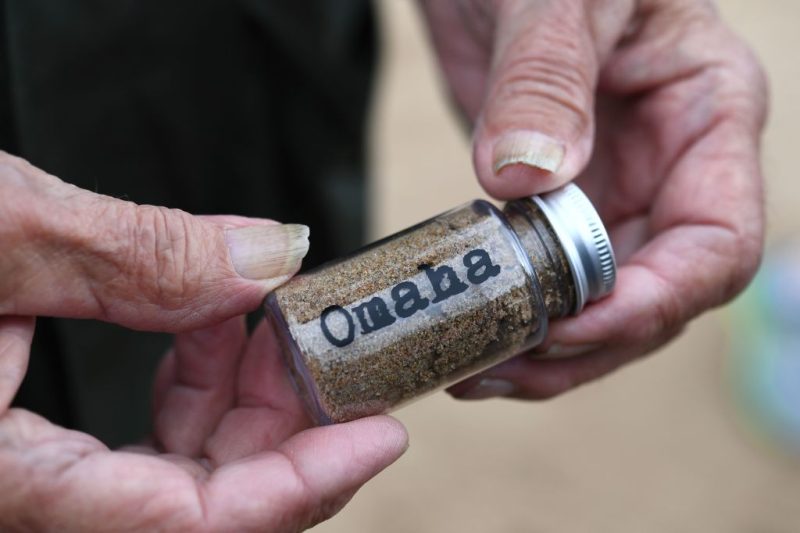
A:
{"x": 698, "y": 437}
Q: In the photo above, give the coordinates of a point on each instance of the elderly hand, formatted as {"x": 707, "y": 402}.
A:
{"x": 67, "y": 252}
{"x": 656, "y": 108}
{"x": 229, "y": 451}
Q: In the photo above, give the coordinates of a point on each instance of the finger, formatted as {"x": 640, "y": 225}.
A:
{"x": 462, "y": 33}
{"x": 684, "y": 73}
{"x": 268, "y": 410}
{"x": 164, "y": 378}
{"x": 536, "y": 129}
{"x": 705, "y": 246}
{"x": 306, "y": 480}
{"x": 203, "y": 366}
{"x": 646, "y": 310}
{"x": 16, "y": 335}
{"x": 669, "y": 40}
{"x": 704, "y": 233}
{"x": 69, "y": 252}
{"x": 702, "y": 239}
{"x": 540, "y": 376}
{"x": 263, "y": 378}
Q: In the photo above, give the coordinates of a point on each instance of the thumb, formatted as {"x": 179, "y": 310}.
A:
{"x": 536, "y": 128}
{"x": 68, "y": 252}
{"x": 306, "y": 479}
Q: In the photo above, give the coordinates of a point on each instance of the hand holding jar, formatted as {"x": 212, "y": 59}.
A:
{"x": 655, "y": 108}
{"x": 225, "y": 417}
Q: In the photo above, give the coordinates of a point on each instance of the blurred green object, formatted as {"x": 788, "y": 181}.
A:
{"x": 765, "y": 349}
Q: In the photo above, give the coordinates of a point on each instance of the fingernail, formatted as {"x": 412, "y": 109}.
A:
{"x": 267, "y": 251}
{"x": 488, "y": 388}
{"x": 561, "y": 351}
{"x": 529, "y": 148}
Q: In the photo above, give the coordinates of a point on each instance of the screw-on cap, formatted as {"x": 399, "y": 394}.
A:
{"x": 584, "y": 240}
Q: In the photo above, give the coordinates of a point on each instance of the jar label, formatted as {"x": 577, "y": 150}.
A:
{"x": 339, "y": 325}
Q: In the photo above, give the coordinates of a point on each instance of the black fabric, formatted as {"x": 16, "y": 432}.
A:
{"x": 253, "y": 107}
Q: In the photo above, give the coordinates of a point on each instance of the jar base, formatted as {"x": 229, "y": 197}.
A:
{"x": 299, "y": 374}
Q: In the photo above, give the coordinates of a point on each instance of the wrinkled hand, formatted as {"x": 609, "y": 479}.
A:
{"x": 656, "y": 108}
{"x": 68, "y": 252}
{"x": 229, "y": 452}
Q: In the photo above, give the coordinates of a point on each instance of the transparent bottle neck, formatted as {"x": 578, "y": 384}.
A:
{"x": 549, "y": 261}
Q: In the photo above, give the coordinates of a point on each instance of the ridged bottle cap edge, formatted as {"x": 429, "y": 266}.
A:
{"x": 584, "y": 239}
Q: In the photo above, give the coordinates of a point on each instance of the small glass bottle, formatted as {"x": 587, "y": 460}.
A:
{"x": 438, "y": 302}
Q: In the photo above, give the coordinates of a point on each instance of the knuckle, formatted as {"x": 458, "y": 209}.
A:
{"x": 8, "y": 160}
{"x": 552, "y": 66}
{"x": 747, "y": 84}
{"x": 664, "y": 314}
{"x": 28, "y": 199}
{"x": 160, "y": 254}
{"x": 8, "y": 170}
{"x": 553, "y": 90}
{"x": 19, "y": 172}
{"x": 16, "y": 205}
{"x": 646, "y": 346}
{"x": 306, "y": 502}
{"x": 744, "y": 264}
{"x": 28, "y": 224}
{"x": 141, "y": 254}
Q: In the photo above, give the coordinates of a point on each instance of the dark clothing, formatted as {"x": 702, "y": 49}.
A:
{"x": 252, "y": 107}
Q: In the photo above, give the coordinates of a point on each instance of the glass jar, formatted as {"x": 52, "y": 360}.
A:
{"x": 438, "y": 302}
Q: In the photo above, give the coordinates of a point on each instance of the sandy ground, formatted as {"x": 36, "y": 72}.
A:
{"x": 658, "y": 446}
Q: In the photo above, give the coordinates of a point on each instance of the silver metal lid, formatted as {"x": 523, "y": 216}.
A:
{"x": 584, "y": 240}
